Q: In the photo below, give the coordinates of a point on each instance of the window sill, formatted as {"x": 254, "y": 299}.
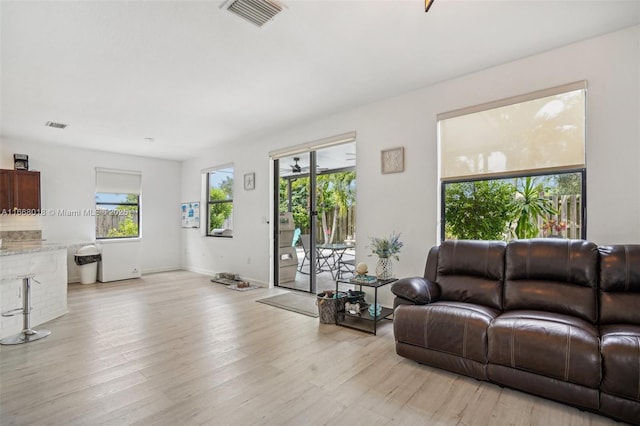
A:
{"x": 118, "y": 240}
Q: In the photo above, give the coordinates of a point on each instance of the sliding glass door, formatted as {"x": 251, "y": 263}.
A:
{"x": 315, "y": 211}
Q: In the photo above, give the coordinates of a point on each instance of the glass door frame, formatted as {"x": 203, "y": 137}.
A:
{"x": 312, "y": 212}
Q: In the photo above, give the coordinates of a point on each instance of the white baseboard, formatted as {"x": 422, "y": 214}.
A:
{"x": 156, "y": 270}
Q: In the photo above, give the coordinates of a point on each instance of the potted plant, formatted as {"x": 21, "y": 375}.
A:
{"x": 386, "y": 249}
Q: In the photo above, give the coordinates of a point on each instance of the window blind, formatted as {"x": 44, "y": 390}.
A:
{"x": 313, "y": 145}
{"x": 539, "y": 131}
{"x": 118, "y": 181}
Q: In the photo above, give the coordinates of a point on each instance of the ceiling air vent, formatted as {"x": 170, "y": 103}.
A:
{"x": 55, "y": 125}
{"x": 258, "y": 12}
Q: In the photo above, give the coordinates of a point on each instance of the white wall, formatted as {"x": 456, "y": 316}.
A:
{"x": 408, "y": 202}
{"x": 67, "y": 178}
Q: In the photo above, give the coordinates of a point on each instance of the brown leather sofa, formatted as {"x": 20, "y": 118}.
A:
{"x": 553, "y": 317}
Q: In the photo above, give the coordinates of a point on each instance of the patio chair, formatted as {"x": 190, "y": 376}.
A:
{"x": 322, "y": 258}
{"x": 346, "y": 266}
{"x": 296, "y": 237}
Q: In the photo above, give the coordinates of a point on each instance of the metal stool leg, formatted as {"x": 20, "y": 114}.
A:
{"x": 27, "y": 334}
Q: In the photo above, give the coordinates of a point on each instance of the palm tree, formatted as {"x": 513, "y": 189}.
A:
{"x": 528, "y": 206}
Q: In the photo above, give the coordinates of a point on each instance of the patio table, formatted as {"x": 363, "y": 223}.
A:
{"x": 331, "y": 260}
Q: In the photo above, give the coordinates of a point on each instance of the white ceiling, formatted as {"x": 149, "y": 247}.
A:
{"x": 192, "y": 75}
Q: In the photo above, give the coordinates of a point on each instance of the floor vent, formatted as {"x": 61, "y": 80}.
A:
{"x": 258, "y": 12}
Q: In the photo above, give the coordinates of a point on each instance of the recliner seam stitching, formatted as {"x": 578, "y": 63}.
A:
{"x": 567, "y": 360}
{"x": 464, "y": 339}
{"x": 426, "y": 330}
{"x": 627, "y": 283}
{"x": 512, "y": 345}
{"x": 638, "y": 347}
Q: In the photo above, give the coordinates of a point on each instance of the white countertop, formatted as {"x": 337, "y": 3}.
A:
{"x": 11, "y": 248}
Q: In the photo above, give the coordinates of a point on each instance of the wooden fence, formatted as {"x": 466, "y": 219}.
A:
{"x": 345, "y": 225}
{"x": 105, "y": 222}
{"x": 569, "y": 213}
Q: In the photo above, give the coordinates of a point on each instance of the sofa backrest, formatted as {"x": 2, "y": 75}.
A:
{"x": 471, "y": 271}
{"x": 553, "y": 275}
{"x": 431, "y": 268}
{"x": 620, "y": 284}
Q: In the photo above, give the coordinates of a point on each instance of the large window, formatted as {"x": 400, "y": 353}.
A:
{"x": 220, "y": 202}
{"x": 528, "y": 206}
{"x": 117, "y": 204}
{"x": 515, "y": 168}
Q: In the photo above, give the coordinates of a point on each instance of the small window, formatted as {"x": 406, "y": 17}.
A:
{"x": 220, "y": 202}
{"x": 117, "y": 203}
{"x": 117, "y": 215}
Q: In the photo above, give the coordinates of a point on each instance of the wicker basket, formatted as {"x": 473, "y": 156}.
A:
{"x": 331, "y": 309}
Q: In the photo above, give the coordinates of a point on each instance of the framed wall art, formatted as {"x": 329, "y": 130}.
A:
{"x": 249, "y": 181}
{"x": 393, "y": 160}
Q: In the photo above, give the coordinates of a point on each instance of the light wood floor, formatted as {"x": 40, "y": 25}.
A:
{"x": 176, "y": 349}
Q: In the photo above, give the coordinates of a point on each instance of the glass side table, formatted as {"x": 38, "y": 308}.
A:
{"x": 362, "y": 320}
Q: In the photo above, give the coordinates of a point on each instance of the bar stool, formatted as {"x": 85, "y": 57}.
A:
{"x": 27, "y": 334}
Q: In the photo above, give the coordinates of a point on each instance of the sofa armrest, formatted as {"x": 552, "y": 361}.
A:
{"x": 417, "y": 290}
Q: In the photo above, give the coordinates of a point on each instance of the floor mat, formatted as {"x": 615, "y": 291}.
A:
{"x": 301, "y": 303}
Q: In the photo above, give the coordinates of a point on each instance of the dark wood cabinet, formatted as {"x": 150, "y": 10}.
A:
{"x": 19, "y": 190}
{"x": 6, "y": 191}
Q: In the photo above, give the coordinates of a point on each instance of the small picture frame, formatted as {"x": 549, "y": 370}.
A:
{"x": 249, "y": 181}
{"x": 392, "y": 160}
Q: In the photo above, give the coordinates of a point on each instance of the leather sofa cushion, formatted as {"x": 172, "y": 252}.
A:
{"x": 619, "y": 308}
{"x": 471, "y": 271}
{"x": 553, "y": 259}
{"x": 553, "y": 345}
{"x": 551, "y": 296}
{"x": 431, "y": 268}
{"x": 620, "y": 284}
{"x": 450, "y": 327}
{"x": 417, "y": 290}
{"x": 620, "y": 268}
{"x": 620, "y": 355}
{"x": 554, "y": 275}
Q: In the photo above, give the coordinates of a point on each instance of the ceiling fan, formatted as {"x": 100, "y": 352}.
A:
{"x": 295, "y": 168}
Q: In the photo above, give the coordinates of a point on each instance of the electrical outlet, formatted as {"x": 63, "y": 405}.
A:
{"x": 248, "y": 261}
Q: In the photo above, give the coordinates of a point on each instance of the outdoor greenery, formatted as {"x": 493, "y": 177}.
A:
{"x": 218, "y": 212}
{"x": 127, "y": 227}
{"x": 529, "y": 205}
{"x": 335, "y": 194}
{"x": 478, "y": 210}
{"x": 299, "y": 201}
{"x": 502, "y": 209}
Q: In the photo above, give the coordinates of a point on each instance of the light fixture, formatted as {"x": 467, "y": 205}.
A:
{"x": 427, "y": 5}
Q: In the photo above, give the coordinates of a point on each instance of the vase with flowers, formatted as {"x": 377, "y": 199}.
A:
{"x": 386, "y": 249}
{"x": 553, "y": 228}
